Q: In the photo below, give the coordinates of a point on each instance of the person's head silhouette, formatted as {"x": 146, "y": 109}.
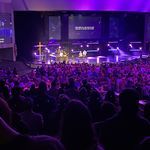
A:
{"x": 129, "y": 102}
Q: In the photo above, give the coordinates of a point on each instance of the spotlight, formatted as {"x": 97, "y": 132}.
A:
{"x": 108, "y": 44}
{"x": 35, "y": 53}
{"x": 131, "y": 45}
{"x": 72, "y": 50}
{"x": 49, "y": 62}
{"x": 81, "y": 45}
{"x": 59, "y": 47}
{"x": 61, "y": 54}
{"x": 140, "y": 48}
{"x": 118, "y": 48}
{"x": 87, "y": 45}
{"x": 98, "y": 49}
{"x": 47, "y": 49}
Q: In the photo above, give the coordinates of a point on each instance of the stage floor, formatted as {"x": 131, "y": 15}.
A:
{"x": 93, "y": 60}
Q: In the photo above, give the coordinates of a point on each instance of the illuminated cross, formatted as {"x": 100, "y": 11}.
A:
{"x": 39, "y": 46}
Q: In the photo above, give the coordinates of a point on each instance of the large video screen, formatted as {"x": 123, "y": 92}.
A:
{"x": 54, "y": 27}
{"x": 84, "y": 27}
{"x": 5, "y": 28}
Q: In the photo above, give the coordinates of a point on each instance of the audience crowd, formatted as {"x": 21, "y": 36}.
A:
{"x": 76, "y": 107}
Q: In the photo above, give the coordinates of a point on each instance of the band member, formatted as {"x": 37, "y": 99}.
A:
{"x": 84, "y": 53}
{"x": 61, "y": 53}
{"x": 80, "y": 54}
{"x": 58, "y": 51}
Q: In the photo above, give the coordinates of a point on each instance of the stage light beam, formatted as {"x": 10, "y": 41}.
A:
{"x": 131, "y": 45}
{"x": 118, "y": 48}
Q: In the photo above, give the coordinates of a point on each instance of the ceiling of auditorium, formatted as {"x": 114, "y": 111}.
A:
{"x": 96, "y": 5}
{"x": 5, "y": 1}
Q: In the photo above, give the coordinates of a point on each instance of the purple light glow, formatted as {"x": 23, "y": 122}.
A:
{"x": 131, "y": 45}
{"x": 96, "y": 5}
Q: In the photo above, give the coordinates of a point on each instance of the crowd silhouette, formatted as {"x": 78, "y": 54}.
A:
{"x": 76, "y": 107}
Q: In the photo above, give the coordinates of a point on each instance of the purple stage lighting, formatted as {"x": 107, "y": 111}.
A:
{"x": 108, "y": 44}
{"x": 131, "y": 45}
{"x": 90, "y": 5}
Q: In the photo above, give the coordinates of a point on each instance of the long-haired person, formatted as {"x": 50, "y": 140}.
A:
{"x": 76, "y": 129}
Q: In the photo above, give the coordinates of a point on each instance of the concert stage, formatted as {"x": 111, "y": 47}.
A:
{"x": 92, "y": 60}
{"x": 86, "y": 52}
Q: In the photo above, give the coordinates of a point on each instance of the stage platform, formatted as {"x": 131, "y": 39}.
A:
{"x": 91, "y": 60}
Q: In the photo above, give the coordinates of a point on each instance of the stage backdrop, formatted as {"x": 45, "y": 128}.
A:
{"x": 96, "y": 5}
{"x": 34, "y": 26}
{"x": 54, "y": 27}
